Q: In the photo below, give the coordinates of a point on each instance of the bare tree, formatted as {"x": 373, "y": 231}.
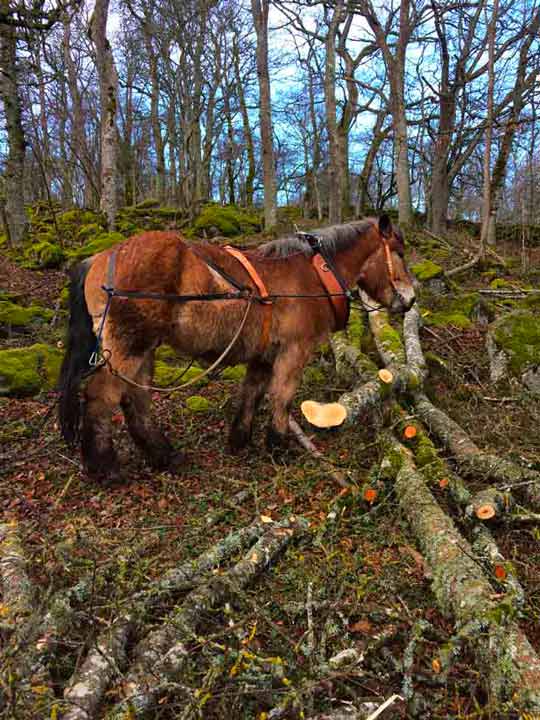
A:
{"x": 260, "y": 18}
{"x": 108, "y": 85}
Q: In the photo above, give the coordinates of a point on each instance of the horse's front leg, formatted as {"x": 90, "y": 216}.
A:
{"x": 255, "y": 385}
{"x": 288, "y": 369}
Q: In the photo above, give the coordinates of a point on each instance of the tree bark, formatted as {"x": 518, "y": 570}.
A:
{"x": 15, "y": 213}
{"x": 334, "y": 174}
{"x": 260, "y": 17}
{"x": 108, "y": 91}
{"x": 248, "y": 135}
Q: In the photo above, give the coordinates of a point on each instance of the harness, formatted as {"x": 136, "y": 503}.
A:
{"x": 336, "y": 291}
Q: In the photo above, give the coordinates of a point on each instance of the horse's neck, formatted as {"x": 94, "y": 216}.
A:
{"x": 349, "y": 262}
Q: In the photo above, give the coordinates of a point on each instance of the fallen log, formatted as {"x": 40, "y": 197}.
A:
{"x": 462, "y": 591}
{"x": 161, "y": 656}
{"x": 17, "y": 590}
{"x": 472, "y": 459}
{"x": 103, "y": 663}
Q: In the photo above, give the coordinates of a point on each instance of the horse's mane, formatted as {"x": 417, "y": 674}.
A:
{"x": 333, "y": 239}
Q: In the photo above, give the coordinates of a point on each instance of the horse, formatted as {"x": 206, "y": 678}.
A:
{"x": 268, "y": 307}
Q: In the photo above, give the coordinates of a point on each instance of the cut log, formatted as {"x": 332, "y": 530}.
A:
{"x": 485, "y": 547}
{"x": 472, "y": 459}
{"x": 160, "y": 657}
{"x": 488, "y": 504}
{"x": 323, "y": 415}
{"x": 511, "y": 664}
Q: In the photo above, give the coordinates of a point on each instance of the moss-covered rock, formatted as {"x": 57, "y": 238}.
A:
{"x": 427, "y": 270}
{"x": 166, "y": 375}
{"x": 13, "y": 315}
{"x": 26, "y": 371}
{"x": 235, "y": 372}
{"x": 518, "y": 334}
{"x": 197, "y": 403}
{"x": 44, "y": 254}
{"x": 91, "y": 230}
{"x": 226, "y": 220}
{"x": 104, "y": 241}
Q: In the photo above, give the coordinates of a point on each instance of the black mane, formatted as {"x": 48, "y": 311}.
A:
{"x": 333, "y": 239}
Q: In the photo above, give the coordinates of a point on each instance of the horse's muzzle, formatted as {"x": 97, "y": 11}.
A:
{"x": 404, "y": 299}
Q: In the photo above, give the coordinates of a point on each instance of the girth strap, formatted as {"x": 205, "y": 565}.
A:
{"x": 336, "y": 294}
{"x": 263, "y": 293}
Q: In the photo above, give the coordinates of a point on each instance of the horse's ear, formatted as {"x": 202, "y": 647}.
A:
{"x": 385, "y": 225}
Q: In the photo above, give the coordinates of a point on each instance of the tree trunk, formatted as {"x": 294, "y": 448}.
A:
{"x": 15, "y": 213}
{"x": 487, "y": 209}
{"x": 334, "y": 175}
{"x": 108, "y": 87}
{"x": 148, "y": 32}
{"x": 248, "y": 135}
{"x": 79, "y": 141}
{"x": 260, "y": 18}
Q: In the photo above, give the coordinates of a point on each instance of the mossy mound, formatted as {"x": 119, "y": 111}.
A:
{"x": 459, "y": 311}
{"x": 26, "y": 371}
{"x": 518, "y": 335}
{"x": 166, "y": 375}
{"x": 235, "y": 373}
{"x": 13, "y": 315}
{"x": 44, "y": 254}
{"x": 427, "y": 270}
{"x": 197, "y": 403}
{"x": 104, "y": 241}
{"x": 226, "y": 220}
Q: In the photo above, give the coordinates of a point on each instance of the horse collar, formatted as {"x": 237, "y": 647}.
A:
{"x": 338, "y": 292}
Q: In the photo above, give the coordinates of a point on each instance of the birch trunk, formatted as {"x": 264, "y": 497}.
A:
{"x": 108, "y": 90}
{"x": 487, "y": 209}
{"x": 260, "y": 17}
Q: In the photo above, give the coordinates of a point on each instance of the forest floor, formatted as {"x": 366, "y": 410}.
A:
{"x": 357, "y": 572}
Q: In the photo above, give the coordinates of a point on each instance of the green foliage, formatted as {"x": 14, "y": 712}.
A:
{"x": 44, "y": 254}
{"x": 518, "y": 334}
{"x": 197, "y": 403}
{"x": 226, "y": 220}
{"x": 102, "y": 242}
{"x": 18, "y": 316}
{"x": 426, "y": 270}
{"x": 26, "y": 371}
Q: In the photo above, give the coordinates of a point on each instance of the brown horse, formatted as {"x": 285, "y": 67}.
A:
{"x": 276, "y": 342}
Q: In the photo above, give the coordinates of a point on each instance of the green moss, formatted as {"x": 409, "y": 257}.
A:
{"x": 235, "y": 372}
{"x": 166, "y": 353}
{"x": 500, "y": 284}
{"x": 148, "y": 203}
{"x": 391, "y": 342}
{"x": 87, "y": 231}
{"x": 44, "y": 254}
{"x": 355, "y": 328}
{"x": 18, "y": 316}
{"x": 64, "y": 297}
{"x": 197, "y": 403}
{"x": 102, "y": 242}
{"x": 426, "y": 270}
{"x": 26, "y": 371}
{"x": 518, "y": 334}
{"x": 228, "y": 220}
{"x": 314, "y": 375}
{"x": 168, "y": 376}
{"x": 456, "y": 319}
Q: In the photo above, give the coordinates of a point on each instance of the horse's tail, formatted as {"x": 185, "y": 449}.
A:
{"x": 81, "y": 342}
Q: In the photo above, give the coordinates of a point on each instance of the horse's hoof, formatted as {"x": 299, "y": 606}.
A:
{"x": 238, "y": 439}
{"x": 276, "y": 440}
{"x": 104, "y": 478}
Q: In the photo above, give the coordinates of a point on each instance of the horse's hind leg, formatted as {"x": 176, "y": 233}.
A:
{"x": 254, "y": 386}
{"x": 102, "y": 395}
{"x": 136, "y": 404}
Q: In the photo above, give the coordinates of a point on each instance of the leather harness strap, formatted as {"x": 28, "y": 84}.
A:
{"x": 263, "y": 294}
{"x": 338, "y": 299}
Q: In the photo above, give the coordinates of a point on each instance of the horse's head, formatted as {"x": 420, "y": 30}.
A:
{"x": 384, "y": 275}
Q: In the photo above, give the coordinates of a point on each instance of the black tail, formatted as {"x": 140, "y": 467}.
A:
{"x": 81, "y": 342}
